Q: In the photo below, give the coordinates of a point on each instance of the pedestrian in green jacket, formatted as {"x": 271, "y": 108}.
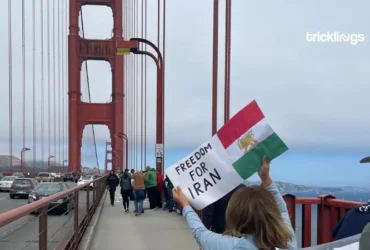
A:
{"x": 151, "y": 186}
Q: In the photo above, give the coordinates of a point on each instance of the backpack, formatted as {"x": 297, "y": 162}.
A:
{"x": 125, "y": 183}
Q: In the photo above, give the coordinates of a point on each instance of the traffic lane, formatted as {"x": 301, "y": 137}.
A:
{"x": 7, "y": 204}
{"x": 23, "y": 233}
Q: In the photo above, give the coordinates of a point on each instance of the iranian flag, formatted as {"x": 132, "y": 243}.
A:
{"x": 247, "y": 137}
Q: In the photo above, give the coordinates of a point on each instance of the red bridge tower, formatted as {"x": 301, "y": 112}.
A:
{"x": 82, "y": 113}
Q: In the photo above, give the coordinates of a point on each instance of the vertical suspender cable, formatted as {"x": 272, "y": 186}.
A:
{"x": 145, "y": 79}
{"x": 54, "y": 88}
{"x": 23, "y": 77}
{"x": 49, "y": 72}
{"x": 42, "y": 81}
{"x": 142, "y": 91}
{"x": 227, "y": 61}
{"x": 136, "y": 87}
{"x": 57, "y": 159}
{"x": 215, "y": 66}
{"x": 10, "y": 67}
{"x": 33, "y": 86}
{"x": 159, "y": 25}
{"x": 63, "y": 87}
{"x": 66, "y": 82}
{"x": 164, "y": 79}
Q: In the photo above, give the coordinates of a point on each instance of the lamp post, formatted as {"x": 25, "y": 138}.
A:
{"x": 124, "y": 136}
{"x": 115, "y": 161}
{"x": 22, "y": 151}
{"x": 63, "y": 166}
{"x": 132, "y": 46}
{"x": 50, "y": 156}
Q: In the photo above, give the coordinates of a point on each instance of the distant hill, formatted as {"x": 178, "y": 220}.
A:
{"x": 286, "y": 187}
{"x": 40, "y": 166}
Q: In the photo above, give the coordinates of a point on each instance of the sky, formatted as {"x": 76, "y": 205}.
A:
{"x": 314, "y": 95}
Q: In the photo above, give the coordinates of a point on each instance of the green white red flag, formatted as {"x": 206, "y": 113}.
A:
{"x": 228, "y": 158}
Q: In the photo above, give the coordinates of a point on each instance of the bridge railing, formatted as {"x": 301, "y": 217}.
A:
{"x": 81, "y": 216}
{"x": 325, "y": 211}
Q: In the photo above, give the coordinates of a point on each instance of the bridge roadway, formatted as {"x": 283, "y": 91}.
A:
{"x": 23, "y": 233}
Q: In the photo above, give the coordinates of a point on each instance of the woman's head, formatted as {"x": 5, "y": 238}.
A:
{"x": 111, "y": 172}
{"x": 254, "y": 211}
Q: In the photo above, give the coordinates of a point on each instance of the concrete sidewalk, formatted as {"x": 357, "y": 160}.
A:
{"x": 153, "y": 230}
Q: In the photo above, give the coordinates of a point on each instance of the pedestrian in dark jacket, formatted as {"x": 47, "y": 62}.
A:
{"x": 213, "y": 216}
{"x": 112, "y": 183}
{"x": 126, "y": 190}
{"x": 353, "y": 222}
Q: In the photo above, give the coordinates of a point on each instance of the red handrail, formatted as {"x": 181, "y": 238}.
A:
{"x": 72, "y": 239}
{"x": 329, "y": 213}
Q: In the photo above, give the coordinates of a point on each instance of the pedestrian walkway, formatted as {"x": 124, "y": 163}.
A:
{"x": 153, "y": 230}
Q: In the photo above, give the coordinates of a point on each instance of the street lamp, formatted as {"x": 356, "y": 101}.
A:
{"x": 132, "y": 46}
{"x": 22, "y": 151}
{"x": 123, "y": 136}
{"x": 50, "y": 156}
{"x": 63, "y": 165}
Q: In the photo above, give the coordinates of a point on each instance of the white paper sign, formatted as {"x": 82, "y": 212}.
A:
{"x": 206, "y": 175}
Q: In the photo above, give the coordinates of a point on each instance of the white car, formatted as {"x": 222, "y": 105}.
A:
{"x": 6, "y": 182}
{"x": 85, "y": 179}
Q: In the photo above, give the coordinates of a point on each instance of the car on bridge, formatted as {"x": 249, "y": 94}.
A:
{"x": 44, "y": 177}
{"x": 68, "y": 177}
{"x": 85, "y": 179}
{"x": 20, "y": 175}
{"x": 47, "y": 189}
{"x": 6, "y": 182}
{"x": 22, "y": 187}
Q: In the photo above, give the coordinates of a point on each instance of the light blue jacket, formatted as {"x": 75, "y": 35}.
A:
{"x": 208, "y": 240}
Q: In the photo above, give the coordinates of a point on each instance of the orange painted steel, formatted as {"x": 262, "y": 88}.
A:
{"x": 329, "y": 213}
{"x": 71, "y": 240}
{"x": 81, "y": 113}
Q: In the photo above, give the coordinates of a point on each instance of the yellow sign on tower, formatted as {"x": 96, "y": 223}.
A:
{"x": 123, "y": 51}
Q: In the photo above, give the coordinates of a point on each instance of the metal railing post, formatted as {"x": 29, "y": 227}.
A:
{"x": 87, "y": 201}
{"x": 43, "y": 228}
{"x": 76, "y": 229}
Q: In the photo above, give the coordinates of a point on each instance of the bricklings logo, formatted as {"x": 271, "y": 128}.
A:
{"x": 334, "y": 37}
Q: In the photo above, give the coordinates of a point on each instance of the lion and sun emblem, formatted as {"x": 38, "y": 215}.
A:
{"x": 247, "y": 142}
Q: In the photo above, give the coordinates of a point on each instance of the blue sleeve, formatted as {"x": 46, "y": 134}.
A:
{"x": 284, "y": 213}
{"x": 206, "y": 239}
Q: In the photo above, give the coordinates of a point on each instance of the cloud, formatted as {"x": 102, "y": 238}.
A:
{"x": 314, "y": 95}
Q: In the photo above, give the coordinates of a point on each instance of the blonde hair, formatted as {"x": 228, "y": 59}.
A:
{"x": 254, "y": 211}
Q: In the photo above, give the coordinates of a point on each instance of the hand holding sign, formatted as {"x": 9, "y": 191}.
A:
{"x": 264, "y": 172}
{"x": 228, "y": 158}
{"x": 180, "y": 197}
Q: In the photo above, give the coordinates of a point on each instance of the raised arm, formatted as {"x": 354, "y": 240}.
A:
{"x": 206, "y": 239}
{"x": 267, "y": 183}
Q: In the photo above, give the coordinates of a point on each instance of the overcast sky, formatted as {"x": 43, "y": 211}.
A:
{"x": 314, "y": 95}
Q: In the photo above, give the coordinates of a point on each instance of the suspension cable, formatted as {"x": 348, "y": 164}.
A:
{"x": 23, "y": 78}
{"x": 89, "y": 93}
{"x": 10, "y": 67}
{"x": 42, "y": 81}
{"x": 49, "y": 78}
{"x": 33, "y": 85}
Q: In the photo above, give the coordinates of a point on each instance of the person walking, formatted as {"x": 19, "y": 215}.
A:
{"x": 112, "y": 183}
{"x": 171, "y": 202}
{"x": 159, "y": 190}
{"x": 139, "y": 181}
{"x": 151, "y": 186}
{"x": 126, "y": 190}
